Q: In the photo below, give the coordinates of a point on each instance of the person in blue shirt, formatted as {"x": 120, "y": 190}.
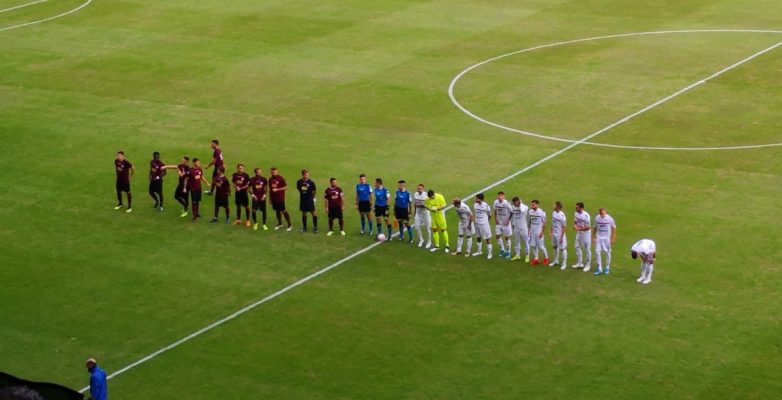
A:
{"x": 381, "y": 206}
{"x": 364, "y": 203}
{"x": 402, "y": 210}
{"x": 98, "y": 386}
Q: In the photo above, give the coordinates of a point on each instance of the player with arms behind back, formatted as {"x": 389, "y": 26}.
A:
{"x": 364, "y": 204}
{"x": 307, "y": 189}
{"x": 402, "y": 208}
{"x": 277, "y": 188}
{"x": 558, "y": 237}
{"x": 582, "y": 224}
{"x": 537, "y": 225}
{"x": 382, "y": 196}
{"x": 502, "y": 225}
{"x": 258, "y": 184}
{"x": 605, "y": 236}
{"x": 482, "y": 228}
{"x": 520, "y": 228}
{"x": 335, "y": 205}
{"x": 241, "y": 181}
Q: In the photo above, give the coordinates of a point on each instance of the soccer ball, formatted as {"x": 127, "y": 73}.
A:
{"x": 381, "y": 237}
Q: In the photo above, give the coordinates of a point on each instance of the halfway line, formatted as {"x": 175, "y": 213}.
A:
{"x": 373, "y": 245}
{"x": 22, "y": 6}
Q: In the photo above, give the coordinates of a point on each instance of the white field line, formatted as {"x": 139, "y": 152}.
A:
{"x": 21, "y": 6}
{"x": 375, "y": 244}
{"x": 85, "y": 4}
{"x": 456, "y": 79}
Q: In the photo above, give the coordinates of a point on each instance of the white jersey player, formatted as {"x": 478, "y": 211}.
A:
{"x": 466, "y": 227}
{"x": 558, "y": 237}
{"x": 520, "y": 232}
{"x": 647, "y": 250}
{"x": 502, "y": 227}
{"x": 583, "y": 225}
{"x": 423, "y": 219}
{"x": 537, "y": 227}
{"x": 482, "y": 229}
{"x": 605, "y": 236}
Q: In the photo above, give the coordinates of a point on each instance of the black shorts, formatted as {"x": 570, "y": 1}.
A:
{"x": 402, "y": 214}
{"x": 123, "y": 186}
{"x": 178, "y": 192}
{"x": 278, "y": 206}
{"x": 259, "y": 205}
{"x": 195, "y": 196}
{"x": 241, "y": 198}
{"x": 307, "y": 205}
{"x": 156, "y": 186}
{"x": 221, "y": 202}
{"x": 214, "y": 171}
{"x": 364, "y": 206}
{"x": 381, "y": 211}
{"x": 335, "y": 213}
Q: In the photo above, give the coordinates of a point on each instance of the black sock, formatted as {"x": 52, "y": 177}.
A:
{"x": 160, "y": 195}
{"x": 279, "y": 218}
{"x": 263, "y": 215}
{"x": 287, "y": 218}
{"x": 255, "y": 217}
{"x": 227, "y": 213}
{"x": 304, "y": 221}
{"x": 315, "y": 221}
{"x": 119, "y": 198}
{"x": 247, "y": 213}
{"x": 130, "y": 200}
{"x": 238, "y": 213}
{"x": 331, "y": 224}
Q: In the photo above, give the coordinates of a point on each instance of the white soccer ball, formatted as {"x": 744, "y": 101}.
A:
{"x": 381, "y": 237}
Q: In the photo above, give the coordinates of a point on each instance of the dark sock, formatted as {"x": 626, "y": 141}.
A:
{"x": 315, "y": 221}
{"x": 247, "y": 213}
{"x": 255, "y": 217}
{"x": 160, "y": 195}
{"x": 263, "y": 215}
{"x": 238, "y": 213}
{"x": 331, "y": 224}
{"x": 341, "y": 224}
{"x": 304, "y": 221}
{"x": 195, "y": 210}
{"x": 119, "y": 197}
{"x": 287, "y": 218}
{"x": 279, "y": 218}
{"x": 154, "y": 197}
{"x": 130, "y": 200}
{"x": 227, "y": 213}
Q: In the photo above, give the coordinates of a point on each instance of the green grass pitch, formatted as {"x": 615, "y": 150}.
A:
{"x": 344, "y": 87}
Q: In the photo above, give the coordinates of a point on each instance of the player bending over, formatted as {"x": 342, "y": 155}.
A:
{"x": 335, "y": 204}
{"x": 435, "y": 203}
{"x": 482, "y": 227}
{"x": 241, "y": 181}
{"x": 422, "y": 217}
{"x": 502, "y": 225}
{"x": 605, "y": 236}
{"x": 537, "y": 225}
{"x": 647, "y": 250}
{"x": 402, "y": 209}
{"x": 381, "y": 206}
{"x": 582, "y": 225}
{"x": 520, "y": 231}
{"x": 125, "y": 171}
{"x": 258, "y": 185}
{"x": 364, "y": 204}
{"x": 466, "y": 227}
{"x": 558, "y": 237}
{"x": 223, "y": 188}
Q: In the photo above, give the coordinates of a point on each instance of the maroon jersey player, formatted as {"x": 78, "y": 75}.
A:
{"x": 335, "y": 204}
{"x": 124, "y": 170}
{"x": 157, "y": 170}
{"x": 258, "y": 184}
{"x": 193, "y": 185}
{"x": 223, "y": 188}
{"x": 181, "y": 193}
{"x": 277, "y": 188}
{"x": 241, "y": 181}
{"x": 217, "y": 162}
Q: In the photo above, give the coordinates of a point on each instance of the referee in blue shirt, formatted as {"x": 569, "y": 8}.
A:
{"x": 98, "y": 386}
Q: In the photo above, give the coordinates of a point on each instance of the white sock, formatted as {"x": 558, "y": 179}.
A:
{"x": 564, "y": 256}
{"x": 556, "y": 255}
{"x": 526, "y": 247}
{"x": 578, "y": 255}
{"x": 507, "y": 244}
{"x": 480, "y": 246}
{"x": 488, "y": 248}
{"x": 535, "y": 252}
{"x": 643, "y": 271}
{"x": 502, "y": 244}
{"x": 545, "y": 252}
{"x": 469, "y": 244}
{"x": 459, "y": 241}
{"x": 649, "y": 274}
{"x": 599, "y": 260}
{"x": 608, "y": 259}
{"x": 419, "y": 233}
{"x": 518, "y": 248}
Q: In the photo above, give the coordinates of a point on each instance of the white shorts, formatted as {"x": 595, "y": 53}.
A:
{"x": 603, "y": 244}
{"x": 559, "y": 244}
{"x": 502, "y": 230}
{"x": 483, "y": 230}
{"x": 583, "y": 240}
{"x": 536, "y": 241}
{"x": 521, "y": 235}
{"x": 466, "y": 229}
{"x": 423, "y": 218}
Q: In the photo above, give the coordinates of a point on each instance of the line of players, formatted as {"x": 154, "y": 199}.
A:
{"x": 516, "y": 224}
